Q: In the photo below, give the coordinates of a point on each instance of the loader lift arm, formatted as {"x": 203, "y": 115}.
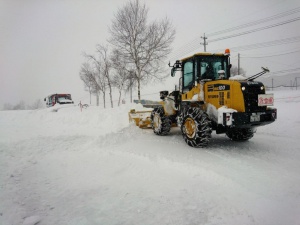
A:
{"x": 265, "y": 70}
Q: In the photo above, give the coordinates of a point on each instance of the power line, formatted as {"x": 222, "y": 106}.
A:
{"x": 188, "y": 49}
{"x": 185, "y": 49}
{"x": 246, "y": 47}
{"x": 282, "y": 73}
{"x": 194, "y": 44}
{"x": 264, "y": 9}
{"x": 285, "y": 71}
{"x": 264, "y": 44}
{"x": 287, "y": 53}
{"x": 257, "y": 29}
{"x": 256, "y": 22}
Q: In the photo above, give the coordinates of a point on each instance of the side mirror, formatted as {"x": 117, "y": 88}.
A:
{"x": 163, "y": 94}
{"x": 173, "y": 72}
{"x": 44, "y": 99}
{"x": 230, "y": 65}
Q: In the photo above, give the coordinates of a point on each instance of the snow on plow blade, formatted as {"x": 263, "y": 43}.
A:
{"x": 140, "y": 118}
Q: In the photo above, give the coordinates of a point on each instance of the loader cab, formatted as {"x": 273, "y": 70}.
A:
{"x": 204, "y": 67}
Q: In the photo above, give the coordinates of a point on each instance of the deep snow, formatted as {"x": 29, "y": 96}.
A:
{"x": 93, "y": 167}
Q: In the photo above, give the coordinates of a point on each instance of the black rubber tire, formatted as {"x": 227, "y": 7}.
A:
{"x": 160, "y": 123}
{"x": 240, "y": 134}
{"x": 196, "y": 127}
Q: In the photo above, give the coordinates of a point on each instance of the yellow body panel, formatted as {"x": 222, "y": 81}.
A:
{"x": 219, "y": 93}
{"x": 189, "y": 95}
{"x": 140, "y": 118}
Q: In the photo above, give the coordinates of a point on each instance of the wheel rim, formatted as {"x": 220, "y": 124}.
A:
{"x": 156, "y": 121}
{"x": 190, "y": 127}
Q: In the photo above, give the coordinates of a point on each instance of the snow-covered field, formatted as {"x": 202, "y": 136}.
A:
{"x": 93, "y": 167}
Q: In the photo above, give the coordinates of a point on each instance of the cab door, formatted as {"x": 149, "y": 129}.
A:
{"x": 188, "y": 79}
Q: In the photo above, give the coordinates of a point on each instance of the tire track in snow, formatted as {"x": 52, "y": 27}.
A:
{"x": 254, "y": 167}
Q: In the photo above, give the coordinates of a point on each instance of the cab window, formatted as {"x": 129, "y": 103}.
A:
{"x": 210, "y": 66}
{"x": 187, "y": 76}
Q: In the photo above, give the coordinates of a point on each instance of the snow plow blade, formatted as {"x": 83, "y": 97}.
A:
{"x": 140, "y": 118}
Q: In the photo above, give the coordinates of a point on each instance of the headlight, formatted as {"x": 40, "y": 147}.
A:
{"x": 262, "y": 88}
{"x": 243, "y": 88}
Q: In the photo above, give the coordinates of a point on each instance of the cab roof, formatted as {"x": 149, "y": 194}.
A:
{"x": 202, "y": 54}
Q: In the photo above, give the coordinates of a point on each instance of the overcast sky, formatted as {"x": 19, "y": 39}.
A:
{"x": 41, "y": 42}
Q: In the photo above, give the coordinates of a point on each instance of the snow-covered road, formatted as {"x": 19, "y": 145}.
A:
{"x": 91, "y": 167}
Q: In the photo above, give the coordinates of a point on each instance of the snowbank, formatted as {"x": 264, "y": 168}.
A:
{"x": 238, "y": 77}
{"x": 93, "y": 167}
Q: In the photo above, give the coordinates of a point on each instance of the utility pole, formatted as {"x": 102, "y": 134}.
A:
{"x": 238, "y": 63}
{"x": 272, "y": 84}
{"x": 204, "y": 42}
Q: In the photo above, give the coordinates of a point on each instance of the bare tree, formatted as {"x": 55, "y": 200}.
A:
{"x": 7, "y": 106}
{"x": 121, "y": 78}
{"x": 142, "y": 45}
{"x": 106, "y": 67}
{"x": 99, "y": 83}
{"x": 101, "y": 76}
{"x": 131, "y": 82}
{"x": 20, "y": 106}
{"x": 234, "y": 71}
{"x": 38, "y": 104}
{"x": 85, "y": 76}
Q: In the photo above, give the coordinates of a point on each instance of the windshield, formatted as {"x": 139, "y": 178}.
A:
{"x": 65, "y": 98}
{"x": 211, "y": 67}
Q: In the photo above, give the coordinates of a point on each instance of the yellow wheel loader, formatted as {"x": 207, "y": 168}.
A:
{"x": 210, "y": 99}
